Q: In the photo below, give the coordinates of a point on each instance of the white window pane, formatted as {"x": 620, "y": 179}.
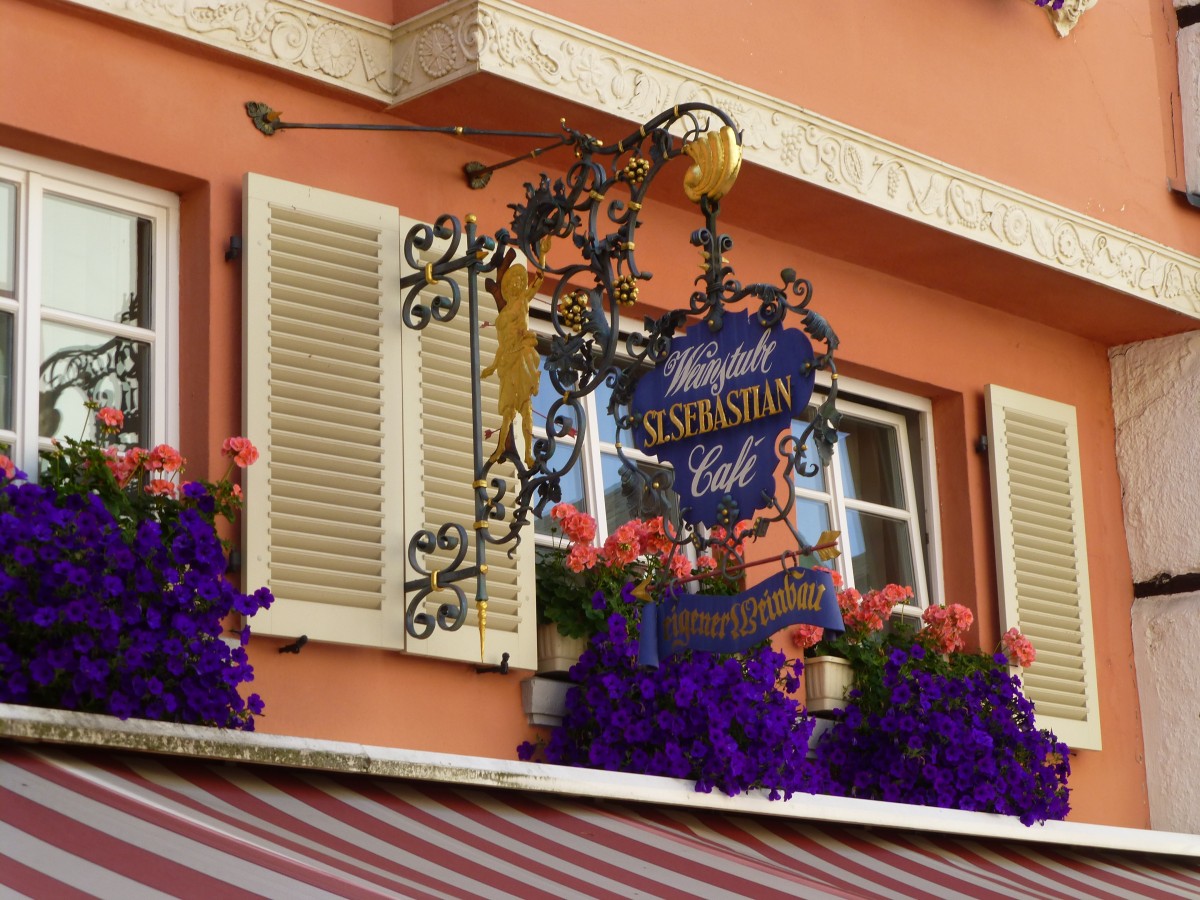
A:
{"x": 80, "y": 365}
{"x": 542, "y": 402}
{"x": 572, "y": 488}
{"x": 6, "y": 370}
{"x": 96, "y": 261}
{"x": 880, "y": 550}
{"x": 606, "y": 426}
{"x": 626, "y": 496}
{"x": 870, "y": 462}
{"x": 8, "y": 239}
{"x": 812, "y": 518}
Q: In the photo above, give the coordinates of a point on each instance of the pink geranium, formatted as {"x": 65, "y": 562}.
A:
{"x": 807, "y": 636}
{"x": 164, "y": 457}
{"x": 7, "y": 467}
{"x": 111, "y": 420}
{"x": 946, "y": 627}
{"x": 835, "y": 575}
{"x": 582, "y": 557}
{"x": 623, "y": 546}
{"x": 122, "y": 465}
{"x": 863, "y": 615}
{"x": 580, "y": 528}
{"x": 680, "y": 567}
{"x": 240, "y": 450}
{"x": 654, "y": 537}
{"x": 160, "y": 487}
{"x": 581, "y": 582}
{"x": 561, "y": 511}
{"x": 895, "y": 593}
{"x": 1018, "y": 648}
{"x": 576, "y": 526}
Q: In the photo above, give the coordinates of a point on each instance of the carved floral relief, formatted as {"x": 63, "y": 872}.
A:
{"x": 507, "y": 39}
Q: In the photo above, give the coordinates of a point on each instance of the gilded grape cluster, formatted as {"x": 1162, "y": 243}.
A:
{"x": 572, "y": 308}
{"x": 636, "y": 170}
{"x": 625, "y": 290}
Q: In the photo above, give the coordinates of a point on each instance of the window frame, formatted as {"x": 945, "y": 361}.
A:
{"x": 590, "y": 465}
{"x": 35, "y": 178}
{"x": 862, "y": 399}
{"x": 913, "y": 414}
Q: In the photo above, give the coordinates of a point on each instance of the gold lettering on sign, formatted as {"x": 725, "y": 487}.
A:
{"x": 751, "y": 614}
{"x": 739, "y": 406}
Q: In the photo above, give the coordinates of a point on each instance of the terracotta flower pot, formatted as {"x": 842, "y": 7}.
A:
{"x": 827, "y": 680}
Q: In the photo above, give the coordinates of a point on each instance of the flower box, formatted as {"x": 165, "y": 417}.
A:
{"x": 827, "y": 679}
{"x": 556, "y": 652}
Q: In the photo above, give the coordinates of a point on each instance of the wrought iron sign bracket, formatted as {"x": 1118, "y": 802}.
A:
{"x": 577, "y": 232}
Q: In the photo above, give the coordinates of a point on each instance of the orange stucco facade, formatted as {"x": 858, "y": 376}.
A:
{"x": 1084, "y": 122}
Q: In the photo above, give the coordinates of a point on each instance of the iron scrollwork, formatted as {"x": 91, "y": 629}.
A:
{"x": 578, "y": 232}
{"x": 596, "y": 209}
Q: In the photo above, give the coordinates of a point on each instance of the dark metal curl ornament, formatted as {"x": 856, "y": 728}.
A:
{"x": 417, "y": 621}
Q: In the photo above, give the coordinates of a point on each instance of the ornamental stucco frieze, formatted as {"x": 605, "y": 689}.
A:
{"x": 508, "y": 40}
{"x": 309, "y": 38}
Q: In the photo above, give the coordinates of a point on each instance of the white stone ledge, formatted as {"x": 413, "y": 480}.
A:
{"x": 30, "y": 724}
{"x": 461, "y": 38}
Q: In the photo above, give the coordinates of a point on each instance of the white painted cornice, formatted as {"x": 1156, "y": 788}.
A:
{"x": 394, "y": 64}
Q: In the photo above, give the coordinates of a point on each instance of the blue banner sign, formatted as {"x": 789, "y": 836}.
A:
{"x": 728, "y": 624}
{"x": 714, "y": 410}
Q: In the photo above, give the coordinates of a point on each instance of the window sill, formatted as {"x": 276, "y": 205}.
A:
{"x": 30, "y": 724}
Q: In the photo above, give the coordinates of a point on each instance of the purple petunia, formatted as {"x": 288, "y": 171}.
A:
{"x": 963, "y": 740}
{"x": 93, "y": 614}
{"x": 721, "y": 721}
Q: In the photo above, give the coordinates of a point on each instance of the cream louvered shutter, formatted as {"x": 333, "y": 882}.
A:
{"x": 438, "y": 444}
{"x": 323, "y": 523}
{"x": 1042, "y": 557}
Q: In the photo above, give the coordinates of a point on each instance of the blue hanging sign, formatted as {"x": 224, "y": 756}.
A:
{"x": 714, "y": 410}
{"x": 728, "y": 624}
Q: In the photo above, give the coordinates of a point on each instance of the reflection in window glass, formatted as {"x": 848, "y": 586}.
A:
{"x": 543, "y": 400}
{"x": 627, "y": 496}
{"x": 80, "y": 365}
{"x": 880, "y": 550}
{"x": 606, "y": 425}
{"x": 8, "y": 239}
{"x": 812, "y": 482}
{"x": 572, "y": 489}
{"x": 870, "y": 461}
{"x": 812, "y": 519}
{"x": 6, "y": 371}
{"x": 599, "y": 483}
{"x": 96, "y": 261}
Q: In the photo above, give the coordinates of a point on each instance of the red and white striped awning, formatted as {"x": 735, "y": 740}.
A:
{"x": 109, "y": 824}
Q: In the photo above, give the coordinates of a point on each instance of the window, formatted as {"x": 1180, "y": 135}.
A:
{"x": 597, "y": 483}
{"x": 87, "y": 293}
{"x": 877, "y": 491}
